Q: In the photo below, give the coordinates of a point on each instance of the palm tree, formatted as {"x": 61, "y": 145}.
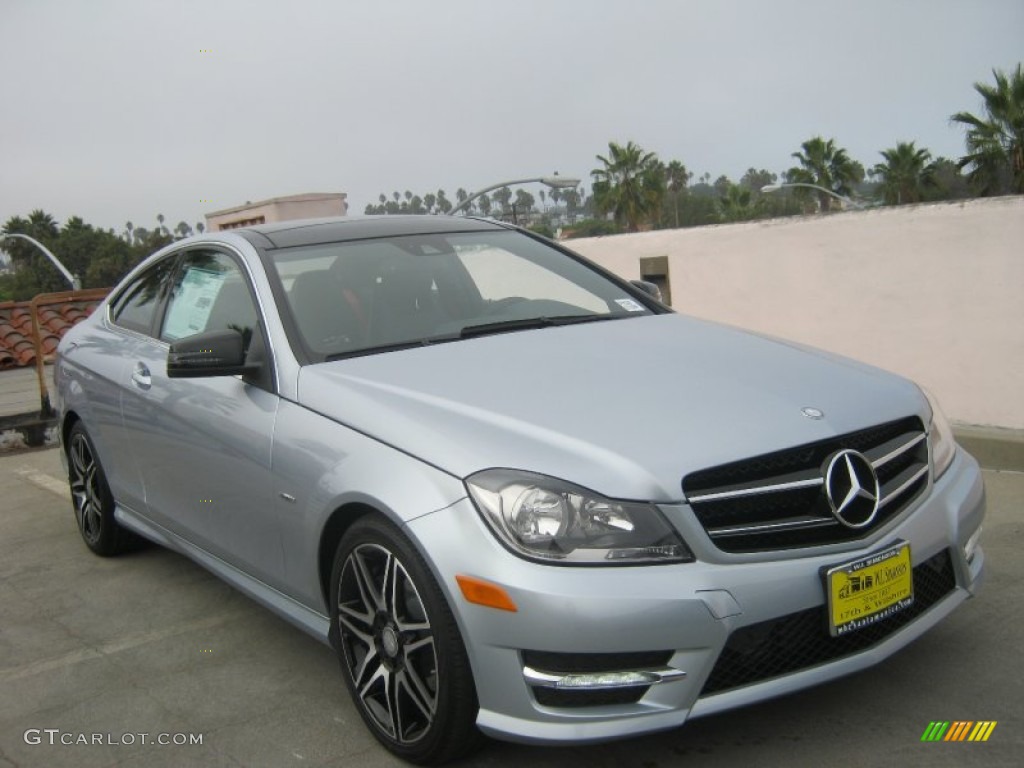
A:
{"x": 484, "y": 203}
{"x": 676, "y": 177}
{"x": 524, "y": 201}
{"x": 572, "y": 200}
{"x": 128, "y": 228}
{"x": 503, "y": 196}
{"x": 42, "y": 226}
{"x": 995, "y": 144}
{"x": 630, "y": 186}
{"x": 905, "y": 173}
{"x": 824, "y": 164}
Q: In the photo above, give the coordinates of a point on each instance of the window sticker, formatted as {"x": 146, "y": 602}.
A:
{"x": 190, "y": 309}
{"x": 629, "y": 305}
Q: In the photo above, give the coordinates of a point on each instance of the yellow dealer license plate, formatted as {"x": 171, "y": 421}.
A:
{"x": 869, "y": 590}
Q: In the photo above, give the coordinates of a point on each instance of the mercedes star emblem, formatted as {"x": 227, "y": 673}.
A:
{"x": 852, "y": 489}
{"x": 813, "y": 413}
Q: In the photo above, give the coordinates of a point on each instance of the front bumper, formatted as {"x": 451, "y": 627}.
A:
{"x": 688, "y": 611}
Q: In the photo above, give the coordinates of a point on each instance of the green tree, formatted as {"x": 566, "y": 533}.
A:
{"x": 755, "y": 180}
{"x": 504, "y": 197}
{"x": 905, "y": 174}
{"x": 484, "y": 204}
{"x": 630, "y": 185}
{"x": 543, "y": 227}
{"x": 824, "y": 164}
{"x": 33, "y": 271}
{"x": 572, "y": 199}
{"x": 676, "y": 178}
{"x": 739, "y": 203}
{"x": 995, "y": 141}
{"x": 524, "y": 201}
{"x": 948, "y": 181}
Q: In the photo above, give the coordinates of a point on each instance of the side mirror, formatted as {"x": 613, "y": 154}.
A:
{"x": 649, "y": 288}
{"x": 215, "y": 353}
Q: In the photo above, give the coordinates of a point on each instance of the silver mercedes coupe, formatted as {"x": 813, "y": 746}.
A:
{"x": 514, "y": 492}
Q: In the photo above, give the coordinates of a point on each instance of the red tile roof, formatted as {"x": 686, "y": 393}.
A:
{"x": 56, "y": 316}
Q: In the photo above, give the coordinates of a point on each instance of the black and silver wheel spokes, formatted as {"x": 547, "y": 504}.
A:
{"x": 85, "y": 493}
{"x": 388, "y": 643}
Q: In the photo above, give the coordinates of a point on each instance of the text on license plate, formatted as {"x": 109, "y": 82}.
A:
{"x": 869, "y": 590}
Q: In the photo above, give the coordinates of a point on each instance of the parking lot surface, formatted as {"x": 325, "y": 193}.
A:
{"x": 104, "y": 651}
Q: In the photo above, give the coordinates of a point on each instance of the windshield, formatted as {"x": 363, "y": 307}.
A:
{"x": 362, "y": 296}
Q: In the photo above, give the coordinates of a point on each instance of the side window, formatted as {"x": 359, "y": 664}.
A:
{"x": 136, "y": 307}
{"x": 209, "y": 293}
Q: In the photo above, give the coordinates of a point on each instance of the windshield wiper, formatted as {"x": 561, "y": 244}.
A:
{"x": 398, "y": 345}
{"x": 528, "y": 323}
{"x": 469, "y": 331}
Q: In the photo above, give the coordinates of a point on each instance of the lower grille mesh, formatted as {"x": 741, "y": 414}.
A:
{"x": 802, "y": 640}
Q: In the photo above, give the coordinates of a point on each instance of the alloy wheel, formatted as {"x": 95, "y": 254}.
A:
{"x": 388, "y": 643}
{"x": 86, "y": 495}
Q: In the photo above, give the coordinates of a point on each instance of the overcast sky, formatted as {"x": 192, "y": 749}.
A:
{"x": 110, "y": 110}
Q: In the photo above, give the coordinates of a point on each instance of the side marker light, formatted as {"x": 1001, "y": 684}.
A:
{"x": 485, "y": 593}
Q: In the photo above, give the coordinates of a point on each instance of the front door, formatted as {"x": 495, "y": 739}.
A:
{"x": 203, "y": 445}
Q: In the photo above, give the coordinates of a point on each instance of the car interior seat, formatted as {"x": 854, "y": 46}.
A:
{"x": 327, "y": 322}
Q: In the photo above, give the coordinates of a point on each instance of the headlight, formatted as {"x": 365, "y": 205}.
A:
{"x": 545, "y": 519}
{"x": 940, "y": 435}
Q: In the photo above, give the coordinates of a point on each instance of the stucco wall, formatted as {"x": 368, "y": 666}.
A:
{"x": 934, "y": 292}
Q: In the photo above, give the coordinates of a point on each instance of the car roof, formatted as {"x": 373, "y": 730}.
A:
{"x": 285, "y": 234}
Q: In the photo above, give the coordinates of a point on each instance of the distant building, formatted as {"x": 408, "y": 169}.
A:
{"x": 311, "y": 205}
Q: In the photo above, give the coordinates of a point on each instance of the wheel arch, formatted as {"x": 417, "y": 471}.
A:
{"x": 67, "y": 424}
{"x": 339, "y": 521}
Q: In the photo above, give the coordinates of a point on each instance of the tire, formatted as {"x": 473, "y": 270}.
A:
{"x": 91, "y": 499}
{"x": 401, "y": 653}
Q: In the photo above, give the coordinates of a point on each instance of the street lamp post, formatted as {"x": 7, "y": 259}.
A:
{"x": 76, "y": 284}
{"x": 826, "y": 190}
{"x": 555, "y": 182}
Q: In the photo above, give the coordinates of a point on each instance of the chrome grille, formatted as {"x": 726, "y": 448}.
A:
{"x": 778, "y": 500}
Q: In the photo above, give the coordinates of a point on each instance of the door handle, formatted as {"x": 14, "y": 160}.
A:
{"x": 140, "y": 376}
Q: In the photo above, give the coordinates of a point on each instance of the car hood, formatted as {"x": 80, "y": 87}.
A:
{"x": 623, "y": 407}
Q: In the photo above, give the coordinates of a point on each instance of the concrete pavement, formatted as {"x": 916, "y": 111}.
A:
{"x": 149, "y": 643}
